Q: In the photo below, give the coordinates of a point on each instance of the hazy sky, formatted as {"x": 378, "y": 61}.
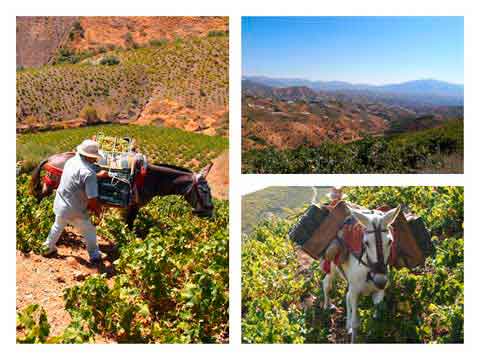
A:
{"x": 374, "y": 50}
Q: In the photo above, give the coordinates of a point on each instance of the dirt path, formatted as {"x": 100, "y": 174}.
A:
{"x": 218, "y": 177}
{"x": 42, "y": 280}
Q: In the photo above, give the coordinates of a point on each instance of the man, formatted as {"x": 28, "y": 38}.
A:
{"x": 77, "y": 193}
{"x": 336, "y": 194}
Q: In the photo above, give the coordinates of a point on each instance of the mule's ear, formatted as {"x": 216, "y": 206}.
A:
{"x": 391, "y": 215}
{"x": 204, "y": 172}
{"x": 360, "y": 216}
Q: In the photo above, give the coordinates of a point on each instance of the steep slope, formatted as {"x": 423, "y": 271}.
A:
{"x": 125, "y": 31}
{"x": 39, "y": 37}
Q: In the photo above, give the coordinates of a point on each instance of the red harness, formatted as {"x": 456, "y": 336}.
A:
{"x": 52, "y": 176}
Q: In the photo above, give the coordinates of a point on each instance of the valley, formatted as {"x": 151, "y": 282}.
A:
{"x": 288, "y": 117}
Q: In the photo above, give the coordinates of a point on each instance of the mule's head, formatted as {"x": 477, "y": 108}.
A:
{"x": 199, "y": 195}
{"x": 377, "y": 242}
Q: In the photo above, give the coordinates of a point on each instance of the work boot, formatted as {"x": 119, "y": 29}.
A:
{"x": 97, "y": 258}
{"x": 47, "y": 251}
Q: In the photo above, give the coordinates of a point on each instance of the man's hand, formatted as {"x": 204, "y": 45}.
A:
{"x": 102, "y": 174}
{"x": 94, "y": 206}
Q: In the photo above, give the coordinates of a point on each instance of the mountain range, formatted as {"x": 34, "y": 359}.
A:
{"x": 428, "y": 91}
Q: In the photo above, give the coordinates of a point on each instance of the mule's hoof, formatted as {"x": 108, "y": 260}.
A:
{"x": 353, "y": 335}
{"x": 331, "y": 307}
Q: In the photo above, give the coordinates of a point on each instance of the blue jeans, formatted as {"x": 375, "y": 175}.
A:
{"x": 82, "y": 224}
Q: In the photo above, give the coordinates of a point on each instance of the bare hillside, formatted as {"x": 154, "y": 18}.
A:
{"x": 39, "y": 37}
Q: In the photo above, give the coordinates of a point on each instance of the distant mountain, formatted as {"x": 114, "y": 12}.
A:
{"x": 291, "y": 92}
{"x": 297, "y": 92}
{"x": 429, "y": 92}
{"x": 253, "y": 88}
{"x": 433, "y": 87}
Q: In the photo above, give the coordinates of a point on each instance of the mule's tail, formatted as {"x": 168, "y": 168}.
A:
{"x": 35, "y": 183}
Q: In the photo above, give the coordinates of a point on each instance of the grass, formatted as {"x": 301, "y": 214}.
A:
{"x": 165, "y": 145}
{"x": 276, "y": 201}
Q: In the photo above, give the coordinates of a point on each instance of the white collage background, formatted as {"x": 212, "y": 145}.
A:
{"x": 243, "y": 184}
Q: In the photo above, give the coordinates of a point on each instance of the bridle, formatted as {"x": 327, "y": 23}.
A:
{"x": 378, "y": 267}
{"x": 195, "y": 188}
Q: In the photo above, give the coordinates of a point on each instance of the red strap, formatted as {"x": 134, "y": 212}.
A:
{"x": 50, "y": 182}
{"x": 53, "y": 169}
{"x": 326, "y": 266}
{"x": 392, "y": 259}
{"x": 140, "y": 178}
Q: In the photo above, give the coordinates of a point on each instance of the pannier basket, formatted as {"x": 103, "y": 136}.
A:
{"x": 114, "y": 192}
{"x": 421, "y": 235}
{"x": 318, "y": 227}
{"x": 308, "y": 222}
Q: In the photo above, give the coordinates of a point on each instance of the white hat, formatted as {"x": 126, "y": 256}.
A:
{"x": 336, "y": 193}
{"x": 89, "y": 148}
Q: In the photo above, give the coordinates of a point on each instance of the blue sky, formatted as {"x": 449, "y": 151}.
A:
{"x": 373, "y": 50}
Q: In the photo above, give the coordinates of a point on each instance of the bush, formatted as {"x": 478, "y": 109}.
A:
{"x": 110, "y": 60}
{"x": 66, "y": 56}
{"x": 217, "y": 33}
{"x": 158, "y": 42}
{"x": 34, "y": 219}
{"x": 89, "y": 113}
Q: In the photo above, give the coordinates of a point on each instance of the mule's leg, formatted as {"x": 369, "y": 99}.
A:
{"x": 354, "y": 320}
{"x": 377, "y": 298}
{"x": 46, "y": 191}
{"x": 327, "y": 283}
{"x": 349, "y": 311}
{"x": 131, "y": 214}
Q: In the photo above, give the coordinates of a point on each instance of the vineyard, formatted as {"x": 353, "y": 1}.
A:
{"x": 161, "y": 145}
{"x": 281, "y": 303}
{"x": 438, "y": 150}
{"x": 169, "y": 282}
{"x": 118, "y": 83}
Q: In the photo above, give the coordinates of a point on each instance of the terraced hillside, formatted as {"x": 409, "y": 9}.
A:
{"x": 191, "y": 74}
{"x": 279, "y": 202}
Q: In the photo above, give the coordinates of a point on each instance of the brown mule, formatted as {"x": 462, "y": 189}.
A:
{"x": 159, "y": 180}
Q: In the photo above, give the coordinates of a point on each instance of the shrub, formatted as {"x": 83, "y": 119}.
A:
{"x": 66, "y": 56}
{"x": 158, "y": 42}
{"x": 89, "y": 113}
{"x": 110, "y": 60}
{"x": 213, "y": 33}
